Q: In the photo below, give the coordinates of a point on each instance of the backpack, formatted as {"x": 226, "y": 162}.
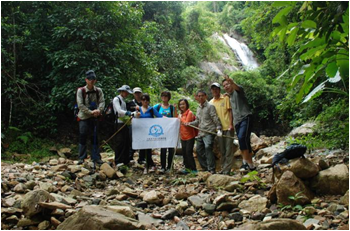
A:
{"x": 292, "y": 151}
{"x": 171, "y": 109}
{"x": 76, "y": 108}
{"x": 109, "y": 115}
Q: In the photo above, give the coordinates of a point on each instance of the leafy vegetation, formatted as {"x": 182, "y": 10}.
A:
{"x": 302, "y": 47}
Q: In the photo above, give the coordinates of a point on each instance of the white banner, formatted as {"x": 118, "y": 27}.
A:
{"x": 155, "y": 133}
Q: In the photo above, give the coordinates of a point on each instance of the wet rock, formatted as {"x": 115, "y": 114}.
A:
{"x": 254, "y": 204}
{"x": 290, "y": 185}
{"x": 334, "y": 180}
{"x": 31, "y": 199}
{"x": 97, "y": 218}
{"x": 237, "y": 216}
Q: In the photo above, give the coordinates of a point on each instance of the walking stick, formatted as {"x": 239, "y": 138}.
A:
{"x": 105, "y": 142}
{"x": 213, "y": 133}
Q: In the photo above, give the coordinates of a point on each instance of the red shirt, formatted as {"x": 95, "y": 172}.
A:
{"x": 186, "y": 132}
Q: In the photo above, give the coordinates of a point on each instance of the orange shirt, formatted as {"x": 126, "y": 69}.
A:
{"x": 186, "y": 132}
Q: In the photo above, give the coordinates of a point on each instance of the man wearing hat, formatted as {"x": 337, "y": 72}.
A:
{"x": 122, "y": 139}
{"x": 223, "y": 109}
{"x": 91, "y": 103}
{"x": 133, "y": 106}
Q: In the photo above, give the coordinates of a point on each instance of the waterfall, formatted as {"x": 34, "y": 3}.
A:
{"x": 244, "y": 54}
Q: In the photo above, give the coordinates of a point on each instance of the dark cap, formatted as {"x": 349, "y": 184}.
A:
{"x": 90, "y": 74}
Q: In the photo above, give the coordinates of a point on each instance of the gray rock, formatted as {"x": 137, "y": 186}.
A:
{"x": 226, "y": 206}
{"x": 20, "y": 188}
{"x": 182, "y": 226}
{"x": 99, "y": 218}
{"x": 209, "y": 208}
{"x": 152, "y": 197}
{"x": 237, "y": 217}
{"x": 170, "y": 214}
{"x": 219, "y": 181}
{"x": 31, "y": 199}
{"x": 304, "y": 129}
{"x": 197, "y": 200}
{"x": 310, "y": 222}
{"x": 125, "y": 210}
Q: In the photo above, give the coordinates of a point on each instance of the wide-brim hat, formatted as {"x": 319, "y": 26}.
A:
{"x": 137, "y": 89}
{"x": 125, "y": 88}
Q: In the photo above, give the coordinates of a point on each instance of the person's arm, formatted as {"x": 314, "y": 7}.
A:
{"x": 175, "y": 110}
{"x": 229, "y": 109}
{"x": 117, "y": 107}
{"x": 156, "y": 113}
{"x": 196, "y": 121}
{"x": 101, "y": 103}
{"x": 235, "y": 86}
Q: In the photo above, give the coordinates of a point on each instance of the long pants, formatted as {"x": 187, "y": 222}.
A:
{"x": 187, "y": 153}
{"x": 205, "y": 152}
{"x": 88, "y": 127}
{"x": 148, "y": 154}
{"x": 122, "y": 145}
{"x": 225, "y": 145}
{"x": 163, "y": 152}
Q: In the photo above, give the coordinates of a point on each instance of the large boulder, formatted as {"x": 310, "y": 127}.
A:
{"x": 94, "y": 217}
{"x": 30, "y": 202}
{"x": 274, "y": 224}
{"x": 303, "y": 168}
{"x": 303, "y": 130}
{"x": 333, "y": 181}
{"x": 290, "y": 185}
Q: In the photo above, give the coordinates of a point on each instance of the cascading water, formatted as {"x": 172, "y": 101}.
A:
{"x": 244, "y": 54}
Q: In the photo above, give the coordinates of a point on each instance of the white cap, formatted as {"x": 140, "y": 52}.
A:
{"x": 137, "y": 89}
{"x": 215, "y": 84}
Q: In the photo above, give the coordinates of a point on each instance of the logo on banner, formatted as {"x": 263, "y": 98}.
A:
{"x": 156, "y": 131}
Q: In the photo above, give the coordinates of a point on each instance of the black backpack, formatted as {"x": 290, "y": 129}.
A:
{"x": 83, "y": 91}
{"x": 292, "y": 151}
{"x": 109, "y": 115}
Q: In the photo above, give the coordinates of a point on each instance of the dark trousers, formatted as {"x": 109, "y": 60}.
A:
{"x": 122, "y": 145}
{"x": 148, "y": 154}
{"x": 187, "y": 153}
{"x": 88, "y": 129}
{"x": 243, "y": 130}
{"x": 205, "y": 154}
{"x": 163, "y": 152}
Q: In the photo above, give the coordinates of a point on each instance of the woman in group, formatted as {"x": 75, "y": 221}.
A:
{"x": 146, "y": 111}
{"x": 187, "y": 135}
{"x": 170, "y": 111}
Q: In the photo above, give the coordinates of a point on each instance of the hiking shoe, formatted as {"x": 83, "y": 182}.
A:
{"x": 141, "y": 162}
{"x": 153, "y": 169}
{"x": 244, "y": 168}
{"x": 98, "y": 161}
{"x": 80, "y": 162}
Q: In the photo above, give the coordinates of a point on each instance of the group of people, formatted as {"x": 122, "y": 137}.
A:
{"x": 218, "y": 117}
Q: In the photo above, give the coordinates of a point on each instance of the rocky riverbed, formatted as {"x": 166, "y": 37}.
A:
{"x": 310, "y": 193}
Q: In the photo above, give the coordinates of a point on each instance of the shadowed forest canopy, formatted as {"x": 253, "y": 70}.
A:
{"x": 47, "y": 47}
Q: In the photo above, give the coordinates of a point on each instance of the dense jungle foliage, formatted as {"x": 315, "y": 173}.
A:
{"x": 46, "y": 47}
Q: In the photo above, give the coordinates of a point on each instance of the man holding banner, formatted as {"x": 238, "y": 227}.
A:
{"x": 208, "y": 122}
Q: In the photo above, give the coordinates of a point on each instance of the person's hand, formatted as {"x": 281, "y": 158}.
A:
{"x": 230, "y": 128}
{"x": 226, "y": 95}
{"x": 138, "y": 114}
{"x": 219, "y": 133}
{"x": 137, "y": 107}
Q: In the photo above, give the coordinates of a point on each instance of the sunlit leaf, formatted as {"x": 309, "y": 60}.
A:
{"x": 308, "y": 24}
{"x": 279, "y": 18}
{"x": 291, "y": 38}
{"x": 315, "y": 92}
{"x": 331, "y": 69}
{"x": 335, "y": 79}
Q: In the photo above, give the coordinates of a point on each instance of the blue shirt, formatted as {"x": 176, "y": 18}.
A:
{"x": 165, "y": 112}
{"x": 148, "y": 113}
